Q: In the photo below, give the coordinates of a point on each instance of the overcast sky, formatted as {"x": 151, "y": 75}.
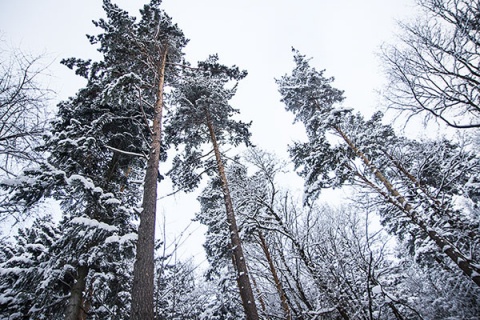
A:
{"x": 342, "y": 36}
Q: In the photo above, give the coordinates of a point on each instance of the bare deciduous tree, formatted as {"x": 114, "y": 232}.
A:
{"x": 23, "y": 109}
{"x": 434, "y": 70}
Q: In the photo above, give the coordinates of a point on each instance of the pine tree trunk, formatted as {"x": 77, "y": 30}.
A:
{"x": 243, "y": 280}
{"x": 86, "y": 303}
{"x": 261, "y": 301}
{"x": 74, "y": 307}
{"x": 445, "y": 246}
{"x": 273, "y": 270}
{"x": 435, "y": 204}
{"x": 143, "y": 272}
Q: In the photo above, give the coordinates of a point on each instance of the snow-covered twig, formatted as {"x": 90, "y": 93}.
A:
{"x": 126, "y": 152}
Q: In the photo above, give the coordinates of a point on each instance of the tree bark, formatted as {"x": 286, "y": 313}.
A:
{"x": 467, "y": 267}
{"x": 243, "y": 280}
{"x": 74, "y": 307}
{"x": 143, "y": 272}
{"x": 260, "y": 300}
{"x": 86, "y": 303}
{"x": 435, "y": 204}
{"x": 278, "y": 284}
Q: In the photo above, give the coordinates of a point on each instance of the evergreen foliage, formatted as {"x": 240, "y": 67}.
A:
{"x": 97, "y": 148}
{"x": 202, "y": 101}
{"x": 203, "y": 92}
{"x": 31, "y": 286}
{"x": 406, "y": 247}
{"x": 371, "y": 156}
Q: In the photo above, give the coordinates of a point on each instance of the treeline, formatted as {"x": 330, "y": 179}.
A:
{"x": 405, "y": 247}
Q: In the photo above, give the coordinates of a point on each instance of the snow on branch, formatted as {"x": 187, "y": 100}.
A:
{"x": 92, "y": 223}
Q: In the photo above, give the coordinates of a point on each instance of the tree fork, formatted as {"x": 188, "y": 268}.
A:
{"x": 243, "y": 280}
{"x": 143, "y": 272}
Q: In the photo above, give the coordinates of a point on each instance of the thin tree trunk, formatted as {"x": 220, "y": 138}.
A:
{"x": 243, "y": 280}
{"x": 445, "y": 246}
{"x": 260, "y": 299}
{"x": 395, "y": 311}
{"x": 273, "y": 270}
{"x": 310, "y": 266}
{"x": 143, "y": 272}
{"x": 74, "y": 306}
{"x": 435, "y": 204}
{"x": 86, "y": 304}
{"x": 299, "y": 289}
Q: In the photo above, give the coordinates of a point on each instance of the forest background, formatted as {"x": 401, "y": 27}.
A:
{"x": 289, "y": 261}
{"x": 343, "y": 37}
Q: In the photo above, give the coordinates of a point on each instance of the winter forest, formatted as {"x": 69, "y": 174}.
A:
{"x": 402, "y": 242}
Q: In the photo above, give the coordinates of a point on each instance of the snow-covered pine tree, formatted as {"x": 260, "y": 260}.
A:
{"x": 249, "y": 192}
{"x": 97, "y": 148}
{"x": 439, "y": 177}
{"x": 203, "y": 115}
{"x": 158, "y": 44}
{"x": 220, "y": 273}
{"x": 91, "y": 183}
{"x": 245, "y": 192}
{"x": 139, "y": 55}
{"x": 30, "y": 286}
{"x": 320, "y": 258}
{"x": 309, "y": 95}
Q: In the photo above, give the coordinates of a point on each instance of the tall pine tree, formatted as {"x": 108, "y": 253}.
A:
{"x": 204, "y": 115}
{"x": 310, "y": 96}
{"x": 98, "y": 148}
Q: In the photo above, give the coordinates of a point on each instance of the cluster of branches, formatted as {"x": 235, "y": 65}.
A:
{"x": 315, "y": 261}
{"x": 434, "y": 71}
{"x": 23, "y": 109}
{"x": 269, "y": 256}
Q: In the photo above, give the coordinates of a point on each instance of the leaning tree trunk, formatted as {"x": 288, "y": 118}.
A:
{"x": 243, "y": 280}
{"x": 143, "y": 272}
{"x": 467, "y": 267}
{"x": 278, "y": 284}
{"x": 74, "y": 307}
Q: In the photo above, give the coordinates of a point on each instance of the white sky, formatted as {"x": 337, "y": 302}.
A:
{"x": 343, "y": 37}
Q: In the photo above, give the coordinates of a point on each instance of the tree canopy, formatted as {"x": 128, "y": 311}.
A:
{"x": 403, "y": 245}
